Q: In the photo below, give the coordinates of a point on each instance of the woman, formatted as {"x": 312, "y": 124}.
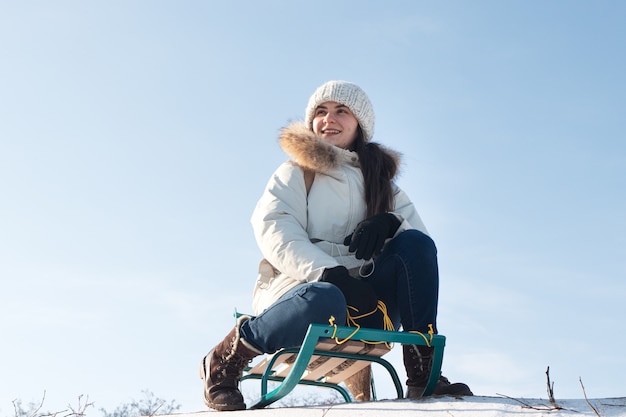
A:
{"x": 335, "y": 231}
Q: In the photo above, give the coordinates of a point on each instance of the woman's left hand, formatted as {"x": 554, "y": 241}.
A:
{"x": 369, "y": 236}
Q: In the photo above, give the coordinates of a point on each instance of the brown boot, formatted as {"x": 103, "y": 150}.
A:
{"x": 360, "y": 384}
{"x": 222, "y": 368}
{"x": 418, "y": 363}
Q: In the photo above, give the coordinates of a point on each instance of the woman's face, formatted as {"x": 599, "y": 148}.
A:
{"x": 336, "y": 124}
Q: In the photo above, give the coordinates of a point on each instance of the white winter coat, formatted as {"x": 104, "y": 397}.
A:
{"x": 300, "y": 235}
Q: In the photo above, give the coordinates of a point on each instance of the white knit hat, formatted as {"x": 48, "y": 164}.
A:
{"x": 348, "y": 94}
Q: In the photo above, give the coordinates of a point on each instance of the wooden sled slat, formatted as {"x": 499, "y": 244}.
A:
{"x": 325, "y": 368}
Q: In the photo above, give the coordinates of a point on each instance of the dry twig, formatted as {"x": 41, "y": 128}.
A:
{"x": 156, "y": 409}
{"x": 595, "y": 410}
{"x": 80, "y": 411}
{"x": 326, "y": 410}
{"x": 82, "y": 407}
{"x": 553, "y": 405}
{"x": 525, "y": 404}
{"x": 551, "y": 391}
{"x": 17, "y": 406}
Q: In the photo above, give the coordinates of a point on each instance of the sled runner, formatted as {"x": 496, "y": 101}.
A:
{"x": 331, "y": 354}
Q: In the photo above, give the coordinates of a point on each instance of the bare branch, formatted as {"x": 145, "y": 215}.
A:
{"x": 43, "y": 398}
{"x": 80, "y": 411}
{"x": 595, "y": 410}
{"x": 551, "y": 391}
{"x": 16, "y": 407}
{"x": 157, "y": 409}
{"x": 527, "y": 405}
{"x": 34, "y": 410}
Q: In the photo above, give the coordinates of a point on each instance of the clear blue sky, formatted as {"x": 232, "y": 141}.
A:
{"x": 136, "y": 137}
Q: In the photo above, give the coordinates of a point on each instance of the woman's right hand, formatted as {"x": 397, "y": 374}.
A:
{"x": 358, "y": 293}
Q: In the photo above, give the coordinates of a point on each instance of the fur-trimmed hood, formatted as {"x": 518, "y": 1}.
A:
{"x": 311, "y": 152}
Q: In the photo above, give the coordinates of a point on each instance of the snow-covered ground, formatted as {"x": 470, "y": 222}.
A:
{"x": 448, "y": 407}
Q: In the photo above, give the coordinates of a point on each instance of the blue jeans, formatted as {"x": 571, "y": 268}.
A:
{"x": 405, "y": 278}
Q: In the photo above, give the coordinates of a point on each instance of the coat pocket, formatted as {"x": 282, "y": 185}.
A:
{"x": 270, "y": 285}
{"x": 262, "y": 296}
{"x": 267, "y": 274}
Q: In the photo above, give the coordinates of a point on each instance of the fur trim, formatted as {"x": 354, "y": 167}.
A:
{"x": 311, "y": 152}
{"x": 307, "y": 149}
{"x": 238, "y": 339}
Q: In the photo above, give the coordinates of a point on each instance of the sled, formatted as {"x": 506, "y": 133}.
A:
{"x": 329, "y": 355}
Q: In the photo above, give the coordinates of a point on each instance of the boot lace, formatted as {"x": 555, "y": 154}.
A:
{"x": 231, "y": 366}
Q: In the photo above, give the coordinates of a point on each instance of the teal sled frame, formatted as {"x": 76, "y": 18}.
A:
{"x": 317, "y": 332}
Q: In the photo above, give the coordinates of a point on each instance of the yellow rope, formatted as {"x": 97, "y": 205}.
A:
{"x": 429, "y": 339}
{"x": 387, "y": 325}
{"x": 352, "y": 322}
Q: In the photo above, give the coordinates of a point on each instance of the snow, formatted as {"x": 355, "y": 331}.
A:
{"x": 449, "y": 407}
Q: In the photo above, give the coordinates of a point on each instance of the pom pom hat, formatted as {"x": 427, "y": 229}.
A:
{"x": 351, "y": 96}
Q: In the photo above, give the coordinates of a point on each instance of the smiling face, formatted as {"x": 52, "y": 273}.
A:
{"x": 336, "y": 124}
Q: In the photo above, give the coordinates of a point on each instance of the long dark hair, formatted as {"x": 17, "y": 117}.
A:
{"x": 379, "y": 167}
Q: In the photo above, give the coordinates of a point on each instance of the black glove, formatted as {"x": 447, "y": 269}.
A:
{"x": 369, "y": 236}
{"x": 358, "y": 293}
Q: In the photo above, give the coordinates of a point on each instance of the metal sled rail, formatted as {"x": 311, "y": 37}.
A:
{"x": 311, "y": 348}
